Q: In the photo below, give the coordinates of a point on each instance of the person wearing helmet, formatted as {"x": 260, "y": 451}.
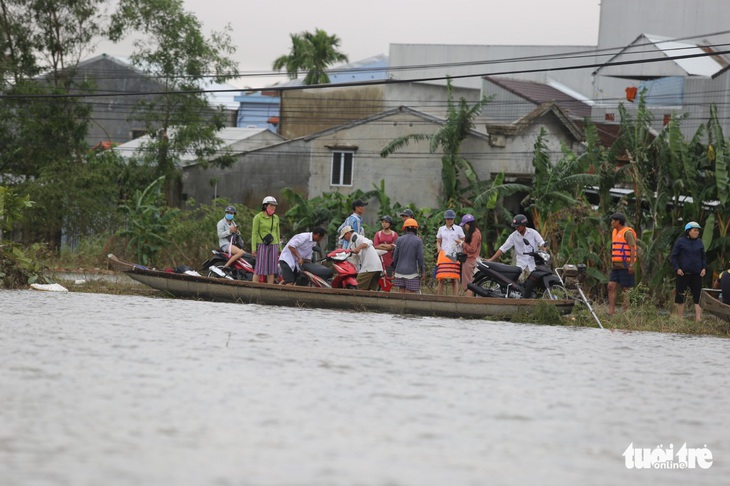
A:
{"x": 407, "y": 214}
{"x": 448, "y": 243}
{"x": 516, "y": 241}
{"x": 265, "y": 238}
{"x": 690, "y": 264}
{"x": 354, "y": 221}
{"x": 623, "y": 259}
{"x": 472, "y": 246}
{"x": 229, "y": 237}
{"x": 408, "y": 263}
{"x": 385, "y": 240}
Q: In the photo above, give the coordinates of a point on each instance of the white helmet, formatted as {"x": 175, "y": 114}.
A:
{"x": 270, "y": 200}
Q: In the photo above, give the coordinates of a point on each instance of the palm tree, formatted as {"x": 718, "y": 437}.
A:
{"x": 459, "y": 122}
{"x": 313, "y": 53}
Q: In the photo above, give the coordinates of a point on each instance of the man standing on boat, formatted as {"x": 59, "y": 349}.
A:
{"x": 516, "y": 240}
{"x": 408, "y": 260}
{"x": 297, "y": 251}
{"x": 354, "y": 221}
{"x": 623, "y": 259}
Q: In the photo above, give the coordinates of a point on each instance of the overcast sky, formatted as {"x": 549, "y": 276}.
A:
{"x": 261, "y": 28}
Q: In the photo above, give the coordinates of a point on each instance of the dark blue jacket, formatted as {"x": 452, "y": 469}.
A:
{"x": 689, "y": 255}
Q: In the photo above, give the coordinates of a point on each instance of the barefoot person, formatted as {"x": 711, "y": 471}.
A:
{"x": 408, "y": 259}
{"x": 623, "y": 259}
{"x": 690, "y": 264}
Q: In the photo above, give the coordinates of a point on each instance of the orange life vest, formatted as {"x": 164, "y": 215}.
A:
{"x": 620, "y": 249}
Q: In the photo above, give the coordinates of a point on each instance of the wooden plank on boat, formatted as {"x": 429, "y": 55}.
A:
{"x": 223, "y": 290}
{"x": 710, "y": 302}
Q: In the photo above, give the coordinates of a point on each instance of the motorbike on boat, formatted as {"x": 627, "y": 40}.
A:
{"x": 242, "y": 269}
{"x": 494, "y": 279}
{"x": 343, "y": 273}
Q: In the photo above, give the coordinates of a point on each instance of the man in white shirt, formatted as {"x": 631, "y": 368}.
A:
{"x": 516, "y": 241}
{"x": 297, "y": 251}
{"x": 371, "y": 267}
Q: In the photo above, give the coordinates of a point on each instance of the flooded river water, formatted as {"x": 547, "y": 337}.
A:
{"x": 120, "y": 390}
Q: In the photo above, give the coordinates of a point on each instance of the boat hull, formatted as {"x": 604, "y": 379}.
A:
{"x": 710, "y": 302}
{"x": 222, "y": 290}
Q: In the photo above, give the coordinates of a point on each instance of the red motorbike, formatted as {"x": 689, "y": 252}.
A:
{"x": 345, "y": 273}
{"x": 242, "y": 269}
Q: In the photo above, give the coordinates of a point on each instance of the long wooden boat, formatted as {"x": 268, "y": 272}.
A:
{"x": 223, "y": 290}
{"x": 710, "y": 302}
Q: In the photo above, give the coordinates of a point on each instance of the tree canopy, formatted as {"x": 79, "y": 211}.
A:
{"x": 312, "y": 53}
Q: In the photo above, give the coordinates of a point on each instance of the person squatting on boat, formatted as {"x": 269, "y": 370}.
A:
{"x": 385, "y": 239}
{"x": 229, "y": 237}
{"x": 690, "y": 264}
{"x": 370, "y": 264}
{"x": 265, "y": 238}
{"x": 448, "y": 243}
{"x": 354, "y": 221}
{"x": 297, "y": 251}
{"x": 408, "y": 261}
{"x": 472, "y": 246}
{"x": 623, "y": 259}
{"x": 516, "y": 240}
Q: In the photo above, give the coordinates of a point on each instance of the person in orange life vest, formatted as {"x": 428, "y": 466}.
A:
{"x": 448, "y": 243}
{"x": 623, "y": 259}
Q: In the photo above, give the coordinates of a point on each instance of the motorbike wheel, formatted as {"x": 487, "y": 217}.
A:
{"x": 353, "y": 287}
{"x": 557, "y": 292}
{"x": 487, "y": 288}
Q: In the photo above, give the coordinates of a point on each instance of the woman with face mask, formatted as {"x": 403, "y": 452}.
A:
{"x": 265, "y": 240}
{"x": 229, "y": 237}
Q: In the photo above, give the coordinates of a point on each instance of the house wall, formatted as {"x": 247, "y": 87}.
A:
{"x": 411, "y": 175}
{"x": 514, "y": 158}
{"x": 255, "y": 175}
{"x": 109, "y": 118}
{"x": 622, "y": 21}
{"x": 426, "y": 97}
{"x": 309, "y": 111}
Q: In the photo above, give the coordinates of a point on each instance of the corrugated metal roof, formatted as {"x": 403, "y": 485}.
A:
{"x": 539, "y": 93}
{"x": 642, "y": 60}
{"x": 695, "y": 66}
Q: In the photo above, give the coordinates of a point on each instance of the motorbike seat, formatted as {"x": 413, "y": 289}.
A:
{"x": 512, "y": 272}
{"x": 319, "y": 270}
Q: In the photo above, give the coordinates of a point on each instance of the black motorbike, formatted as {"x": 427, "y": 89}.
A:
{"x": 493, "y": 279}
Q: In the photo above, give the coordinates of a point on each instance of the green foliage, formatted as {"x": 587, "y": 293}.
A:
{"x": 11, "y": 208}
{"x": 173, "y": 50}
{"x": 19, "y": 267}
{"x": 147, "y": 223}
{"x": 313, "y": 53}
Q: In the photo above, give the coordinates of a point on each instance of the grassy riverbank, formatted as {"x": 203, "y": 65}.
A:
{"x": 643, "y": 317}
